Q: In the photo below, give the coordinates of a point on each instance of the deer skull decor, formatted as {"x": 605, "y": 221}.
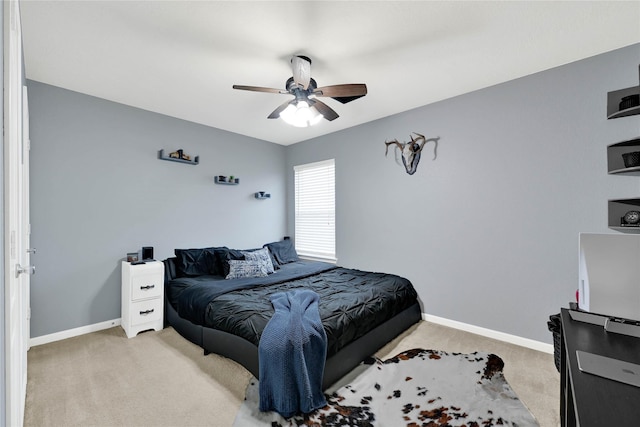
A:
{"x": 411, "y": 151}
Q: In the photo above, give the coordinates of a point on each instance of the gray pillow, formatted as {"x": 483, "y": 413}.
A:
{"x": 242, "y": 268}
{"x": 261, "y": 255}
{"x": 283, "y": 251}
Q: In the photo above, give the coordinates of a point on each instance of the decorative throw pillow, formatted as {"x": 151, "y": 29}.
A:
{"x": 195, "y": 262}
{"x": 283, "y": 251}
{"x": 242, "y": 269}
{"x": 261, "y": 255}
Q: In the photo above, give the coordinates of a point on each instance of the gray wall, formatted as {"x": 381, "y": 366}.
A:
{"x": 99, "y": 191}
{"x": 487, "y": 232}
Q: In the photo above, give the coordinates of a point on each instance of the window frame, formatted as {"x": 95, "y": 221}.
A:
{"x": 315, "y": 241}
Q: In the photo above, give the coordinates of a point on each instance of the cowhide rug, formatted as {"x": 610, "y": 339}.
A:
{"x": 415, "y": 388}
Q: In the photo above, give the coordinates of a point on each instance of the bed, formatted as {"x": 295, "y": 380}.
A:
{"x": 211, "y": 305}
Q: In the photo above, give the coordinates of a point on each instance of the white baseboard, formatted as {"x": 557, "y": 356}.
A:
{"x": 45, "y": 339}
{"x": 500, "y": 336}
{"x": 489, "y": 333}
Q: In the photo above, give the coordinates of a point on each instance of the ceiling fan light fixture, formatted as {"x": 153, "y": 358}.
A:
{"x": 300, "y": 114}
{"x": 305, "y": 110}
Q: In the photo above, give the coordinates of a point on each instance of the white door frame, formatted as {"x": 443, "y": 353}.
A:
{"x": 26, "y": 228}
{"x": 15, "y": 253}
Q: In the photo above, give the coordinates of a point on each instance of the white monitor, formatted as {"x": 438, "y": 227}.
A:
{"x": 609, "y": 274}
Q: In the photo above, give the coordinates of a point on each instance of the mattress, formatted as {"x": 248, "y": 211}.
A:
{"x": 352, "y": 302}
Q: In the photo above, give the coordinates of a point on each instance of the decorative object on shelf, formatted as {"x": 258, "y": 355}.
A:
{"x": 411, "y": 151}
{"x": 631, "y": 160}
{"x": 179, "y": 156}
{"x": 231, "y": 180}
{"x": 631, "y": 219}
{"x": 262, "y": 195}
{"x": 629, "y": 102}
{"x": 132, "y": 256}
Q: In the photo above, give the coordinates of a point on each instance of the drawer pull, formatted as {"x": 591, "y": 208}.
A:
{"x": 142, "y": 313}
{"x": 148, "y": 287}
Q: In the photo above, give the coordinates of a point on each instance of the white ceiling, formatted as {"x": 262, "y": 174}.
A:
{"x": 180, "y": 58}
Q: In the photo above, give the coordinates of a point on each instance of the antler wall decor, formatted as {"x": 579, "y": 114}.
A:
{"x": 411, "y": 151}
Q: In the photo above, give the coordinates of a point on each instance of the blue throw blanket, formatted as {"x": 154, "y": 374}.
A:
{"x": 292, "y": 352}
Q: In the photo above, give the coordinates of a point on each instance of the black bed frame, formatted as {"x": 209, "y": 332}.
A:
{"x": 246, "y": 353}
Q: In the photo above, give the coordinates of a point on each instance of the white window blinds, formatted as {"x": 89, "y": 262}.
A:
{"x": 315, "y": 207}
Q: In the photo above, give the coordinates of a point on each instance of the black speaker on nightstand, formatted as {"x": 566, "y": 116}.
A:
{"x": 147, "y": 252}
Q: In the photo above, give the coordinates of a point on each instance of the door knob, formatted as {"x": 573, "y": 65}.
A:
{"x": 31, "y": 251}
{"x": 29, "y": 269}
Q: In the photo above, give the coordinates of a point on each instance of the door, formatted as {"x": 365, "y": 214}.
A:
{"x": 25, "y": 232}
{"x": 16, "y": 224}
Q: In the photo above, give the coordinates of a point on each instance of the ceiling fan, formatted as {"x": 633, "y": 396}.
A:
{"x": 305, "y": 110}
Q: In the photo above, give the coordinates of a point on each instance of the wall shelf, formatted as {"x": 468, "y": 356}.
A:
{"x": 617, "y": 108}
{"x": 617, "y": 209}
{"x": 615, "y": 97}
{"x": 163, "y": 156}
{"x": 615, "y": 163}
{"x": 235, "y": 181}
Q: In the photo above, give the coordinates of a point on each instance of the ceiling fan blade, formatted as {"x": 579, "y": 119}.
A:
{"x": 260, "y": 89}
{"x": 276, "y": 113}
{"x": 325, "y": 110}
{"x": 343, "y": 93}
{"x": 301, "y": 66}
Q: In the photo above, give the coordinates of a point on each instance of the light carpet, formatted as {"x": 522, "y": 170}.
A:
{"x": 415, "y": 388}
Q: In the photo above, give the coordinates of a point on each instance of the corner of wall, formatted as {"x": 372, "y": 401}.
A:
{"x": 2, "y": 311}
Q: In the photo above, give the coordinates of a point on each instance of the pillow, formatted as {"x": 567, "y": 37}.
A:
{"x": 274, "y": 262}
{"x": 261, "y": 255}
{"x": 195, "y": 262}
{"x": 241, "y": 269}
{"x": 283, "y": 251}
{"x": 223, "y": 256}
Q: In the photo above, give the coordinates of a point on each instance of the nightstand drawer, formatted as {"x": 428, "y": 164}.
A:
{"x": 146, "y": 311}
{"x": 146, "y": 286}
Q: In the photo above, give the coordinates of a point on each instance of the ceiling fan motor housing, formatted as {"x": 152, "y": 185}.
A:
{"x": 292, "y": 86}
{"x": 306, "y": 58}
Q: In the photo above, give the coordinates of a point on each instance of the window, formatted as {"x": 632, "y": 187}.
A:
{"x": 315, "y": 210}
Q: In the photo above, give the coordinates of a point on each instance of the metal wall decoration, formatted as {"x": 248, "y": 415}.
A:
{"x": 411, "y": 151}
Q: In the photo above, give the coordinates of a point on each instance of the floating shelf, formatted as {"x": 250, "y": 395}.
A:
{"x": 162, "y": 156}
{"x": 235, "y": 181}
{"x": 614, "y": 98}
{"x": 262, "y": 195}
{"x": 628, "y": 171}
{"x": 624, "y": 113}
{"x": 615, "y": 163}
{"x": 617, "y": 209}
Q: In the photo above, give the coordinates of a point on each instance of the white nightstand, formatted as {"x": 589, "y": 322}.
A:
{"x": 142, "y": 297}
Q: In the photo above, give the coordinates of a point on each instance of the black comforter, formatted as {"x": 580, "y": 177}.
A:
{"x": 352, "y": 302}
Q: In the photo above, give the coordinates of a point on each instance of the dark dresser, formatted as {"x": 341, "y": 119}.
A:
{"x": 588, "y": 400}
